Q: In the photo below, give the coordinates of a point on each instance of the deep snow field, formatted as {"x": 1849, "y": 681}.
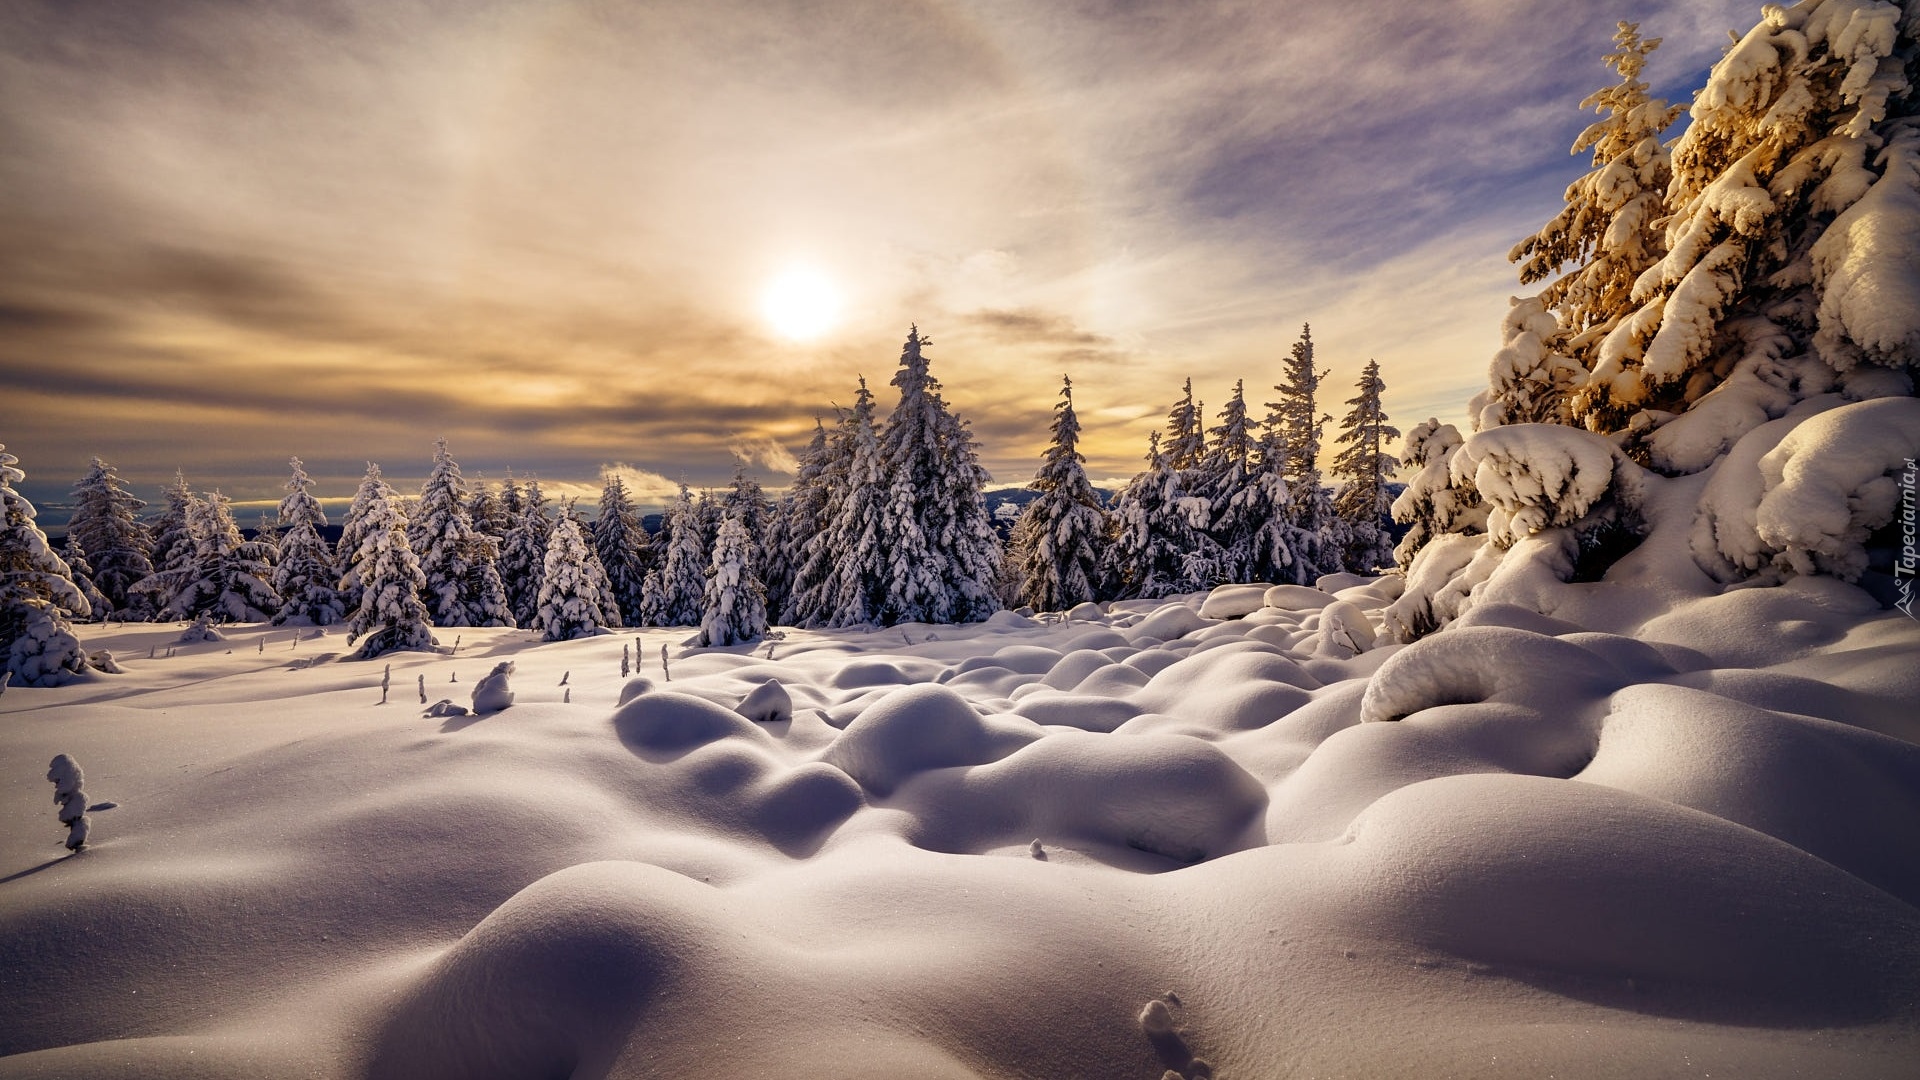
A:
{"x": 1684, "y": 841}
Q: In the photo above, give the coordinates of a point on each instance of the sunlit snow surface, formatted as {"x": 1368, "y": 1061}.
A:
{"x": 1516, "y": 848}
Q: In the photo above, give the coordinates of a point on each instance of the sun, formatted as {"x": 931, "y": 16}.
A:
{"x": 800, "y": 304}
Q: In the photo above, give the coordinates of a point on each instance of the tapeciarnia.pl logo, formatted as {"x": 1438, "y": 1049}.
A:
{"x": 1904, "y": 567}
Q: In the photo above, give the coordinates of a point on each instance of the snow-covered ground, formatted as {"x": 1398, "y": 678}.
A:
{"x": 1135, "y": 841}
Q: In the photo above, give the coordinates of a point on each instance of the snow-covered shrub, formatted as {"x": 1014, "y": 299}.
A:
{"x": 1560, "y": 505}
{"x": 491, "y": 693}
{"x": 1344, "y": 631}
{"x": 200, "y": 630}
{"x": 1539, "y": 476}
{"x": 1801, "y": 495}
{"x": 67, "y": 793}
{"x": 1528, "y": 381}
{"x": 37, "y": 594}
{"x": 1431, "y": 505}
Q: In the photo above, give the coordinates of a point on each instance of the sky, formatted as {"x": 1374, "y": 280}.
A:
{"x": 656, "y": 238}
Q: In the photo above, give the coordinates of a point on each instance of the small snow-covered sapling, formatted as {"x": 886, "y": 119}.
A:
{"x": 423, "y": 689}
{"x": 386, "y": 680}
{"x": 5, "y": 678}
{"x": 566, "y": 676}
{"x": 456, "y": 644}
{"x": 263, "y": 643}
{"x": 65, "y": 774}
{"x": 664, "y": 670}
{"x": 626, "y": 660}
{"x": 453, "y": 676}
{"x": 491, "y": 693}
{"x": 567, "y": 698}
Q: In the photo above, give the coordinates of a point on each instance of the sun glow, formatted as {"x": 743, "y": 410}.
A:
{"x": 800, "y": 304}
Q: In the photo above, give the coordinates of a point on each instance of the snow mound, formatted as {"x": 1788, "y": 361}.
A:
{"x": 914, "y": 729}
{"x": 1295, "y": 598}
{"x": 1712, "y": 906}
{"x": 767, "y": 703}
{"x": 666, "y": 722}
{"x": 1470, "y": 664}
{"x": 1234, "y": 601}
{"x": 1167, "y": 623}
{"x": 1676, "y": 820}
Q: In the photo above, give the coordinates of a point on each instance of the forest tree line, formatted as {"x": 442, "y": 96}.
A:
{"x": 886, "y": 522}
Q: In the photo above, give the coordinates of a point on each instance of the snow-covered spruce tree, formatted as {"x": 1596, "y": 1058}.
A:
{"x": 37, "y": 594}
{"x": 746, "y": 498}
{"x": 173, "y": 550}
{"x": 1186, "y": 441}
{"x": 651, "y": 613}
{"x": 1431, "y": 505}
{"x": 1792, "y": 224}
{"x": 941, "y": 552}
{"x": 1239, "y": 503}
{"x": 486, "y": 510}
{"x": 306, "y": 575}
{"x": 1300, "y": 425}
{"x": 623, "y": 546}
{"x": 512, "y": 501}
{"x": 707, "y": 512}
{"x": 570, "y": 604}
{"x": 1059, "y": 533}
{"x": 523, "y": 555}
{"x": 1151, "y": 542}
{"x": 390, "y": 616}
{"x": 854, "y": 544}
{"x": 1297, "y": 417}
{"x": 796, "y": 518}
{"x": 733, "y": 606}
{"x": 106, "y": 522}
{"x": 230, "y": 579}
{"x": 818, "y": 506}
{"x": 1265, "y": 500}
{"x": 596, "y": 572}
{"x": 683, "y": 574}
{"x": 268, "y": 535}
{"x": 1363, "y": 502}
{"x": 1608, "y": 234}
{"x": 74, "y": 553}
{"x": 353, "y": 530}
{"x": 487, "y": 603}
{"x": 443, "y": 537}
{"x": 961, "y": 527}
{"x": 1187, "y": 506}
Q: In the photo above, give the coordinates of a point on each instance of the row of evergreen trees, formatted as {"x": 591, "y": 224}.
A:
{"x": 886, "y": 522}
{"x": 1241, "y": 501}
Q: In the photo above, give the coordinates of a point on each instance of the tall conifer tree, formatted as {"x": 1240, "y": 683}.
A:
{"x": 1363, "y": 502}
{"x": 106, "y": 523}
{"x": 1057, "y": 536}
